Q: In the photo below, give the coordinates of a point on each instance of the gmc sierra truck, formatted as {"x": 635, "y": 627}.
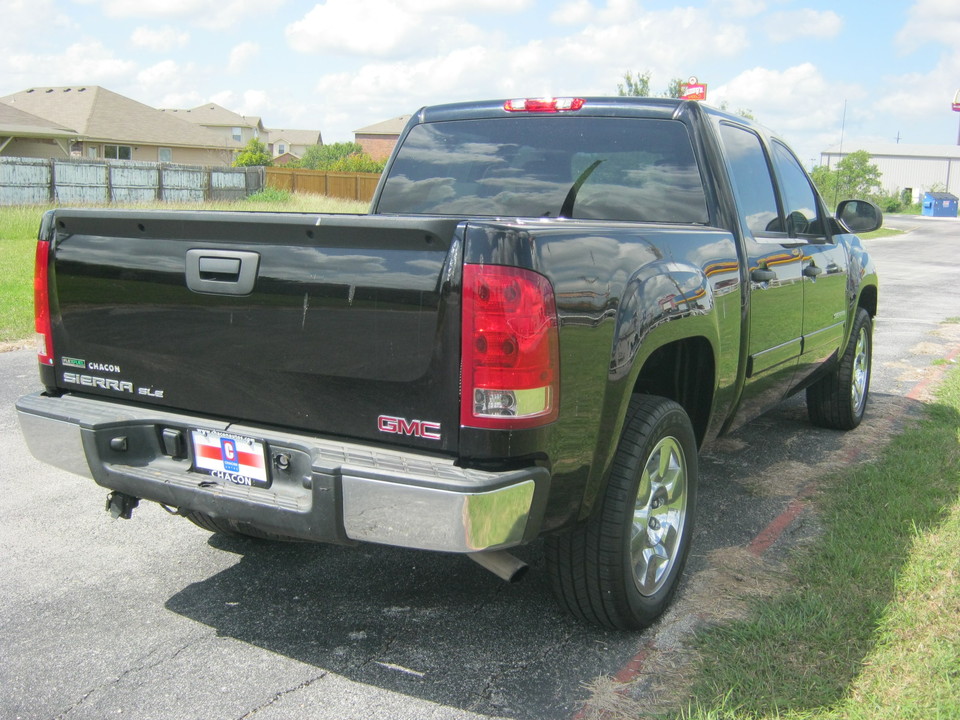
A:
{"x": 552, "y": 305}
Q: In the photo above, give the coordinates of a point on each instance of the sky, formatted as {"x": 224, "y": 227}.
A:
{"x": 815, "y": 72}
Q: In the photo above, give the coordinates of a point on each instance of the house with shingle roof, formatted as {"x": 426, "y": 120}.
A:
{"x": 378, "y": 140}
{"x": 222, "y": 122}
{"x": 26, "y": 135}
{"x": 287, "y": 145}
{"x": 109, "y": 125}
{"x": 283, "y": 144}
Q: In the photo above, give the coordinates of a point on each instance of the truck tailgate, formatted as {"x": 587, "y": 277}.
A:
{"x": 335, "y": 324}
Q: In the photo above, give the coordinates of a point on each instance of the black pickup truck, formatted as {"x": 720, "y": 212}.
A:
{"x": 552, "y": 305}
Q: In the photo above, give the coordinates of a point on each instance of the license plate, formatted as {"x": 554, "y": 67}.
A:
{"x": 225, "y": 456}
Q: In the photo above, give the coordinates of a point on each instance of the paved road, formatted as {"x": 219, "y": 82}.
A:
{"x": 154, "y": 618}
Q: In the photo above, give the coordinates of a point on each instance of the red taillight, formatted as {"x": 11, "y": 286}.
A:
{"x": 510, "y": 349}
{"x": 543, "y": 105}
{"x": 41, "y": 304}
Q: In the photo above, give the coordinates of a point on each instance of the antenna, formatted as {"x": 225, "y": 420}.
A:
{"x": 843, "y": 126}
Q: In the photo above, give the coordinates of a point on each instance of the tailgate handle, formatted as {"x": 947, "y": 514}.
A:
{"x": 224, "y": 269}
{"x": 222, "y": 272}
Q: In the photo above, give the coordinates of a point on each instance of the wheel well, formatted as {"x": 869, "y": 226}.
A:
{"x": 684, "y": 372}
{"x": 868, "y": 300}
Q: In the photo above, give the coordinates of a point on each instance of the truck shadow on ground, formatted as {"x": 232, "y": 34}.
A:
{"x": 440, "y": 628}
{"x": 433, "y": 626}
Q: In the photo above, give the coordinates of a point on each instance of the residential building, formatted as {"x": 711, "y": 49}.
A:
{"x": 916, "y": 168}
{"x": 26, "y": 135}
{"x": 224, "y": 123}
{"x": 108, "y": 125}
{"x": 378, "y": 140}
{"x": 289, "y": 145}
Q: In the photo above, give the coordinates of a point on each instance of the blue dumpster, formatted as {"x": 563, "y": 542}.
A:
{"x": 940, "y": 204}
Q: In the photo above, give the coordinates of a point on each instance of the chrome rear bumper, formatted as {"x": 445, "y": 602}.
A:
{"x": 325, "y": 490}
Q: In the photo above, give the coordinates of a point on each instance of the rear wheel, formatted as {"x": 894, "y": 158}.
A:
{"x": 621, "y": 568}
{"x": 839, "y": 399}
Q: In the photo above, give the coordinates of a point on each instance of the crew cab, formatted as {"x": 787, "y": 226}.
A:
{"x": 551, "y": 306}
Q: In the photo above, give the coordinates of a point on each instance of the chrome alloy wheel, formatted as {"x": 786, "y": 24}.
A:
{"x": 861, "y": 371}
{"x": 659, "y": 515}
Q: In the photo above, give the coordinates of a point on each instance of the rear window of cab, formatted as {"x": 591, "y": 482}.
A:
{"x": 597, "y": 168}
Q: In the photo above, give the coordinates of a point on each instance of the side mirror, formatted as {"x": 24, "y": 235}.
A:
{"x": 859, "y": 216}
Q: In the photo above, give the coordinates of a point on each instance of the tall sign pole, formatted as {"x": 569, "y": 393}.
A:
{"x": 956, "y": 108}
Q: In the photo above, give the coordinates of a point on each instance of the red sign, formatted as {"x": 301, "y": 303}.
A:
{"x": 956, "y": 102}
{"x": 693, "y": 90}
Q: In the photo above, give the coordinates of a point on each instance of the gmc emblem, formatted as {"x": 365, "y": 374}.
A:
{"x": 411, "y": 428}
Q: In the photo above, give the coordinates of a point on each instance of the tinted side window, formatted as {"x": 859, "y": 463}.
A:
{"x": 799, "y": 200}
{"x": 599, "y": 168}
{"x": 751, "y": 179}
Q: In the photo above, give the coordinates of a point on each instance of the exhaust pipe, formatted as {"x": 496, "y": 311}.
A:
{"x": 501, "y": 563}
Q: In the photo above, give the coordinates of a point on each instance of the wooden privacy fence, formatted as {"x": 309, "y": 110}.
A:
{"x": 349, "y": 185}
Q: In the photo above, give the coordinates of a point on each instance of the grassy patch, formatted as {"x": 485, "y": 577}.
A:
{"x": 18, "y": 236}
{"x": 871, "y": 628}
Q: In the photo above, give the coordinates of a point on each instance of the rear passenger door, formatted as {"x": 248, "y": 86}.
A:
{"x": 774, "y": 272}
{"x": 824, "y": 263}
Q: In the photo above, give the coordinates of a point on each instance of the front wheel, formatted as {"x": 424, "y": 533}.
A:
{"x": 621, "y": 568}
{"x": 838, "y": 400}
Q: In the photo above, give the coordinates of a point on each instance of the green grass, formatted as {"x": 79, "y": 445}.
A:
{"x": 871, "y": 627}
{"x": 18, "y": 236}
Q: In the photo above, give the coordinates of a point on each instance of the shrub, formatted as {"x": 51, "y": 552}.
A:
{"x": 270, "y": 195}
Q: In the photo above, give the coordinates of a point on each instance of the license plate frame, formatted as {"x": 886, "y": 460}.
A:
{"x": 238, "y": 459}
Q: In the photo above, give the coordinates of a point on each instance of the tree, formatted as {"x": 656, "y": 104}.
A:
{"x": 745, "y": 113}
{"x": 253, "y": 153}
{"x": 638, "y": 85}
{"x": 340, "y": 157}
{"x": 675, "y": 88}
{"x": 321, "y": 157}
{"x": 634, "y": 85}
{"x": 854, "y": 177}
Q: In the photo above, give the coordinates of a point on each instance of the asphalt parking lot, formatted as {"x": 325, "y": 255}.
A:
{"x": 155, "y": 618}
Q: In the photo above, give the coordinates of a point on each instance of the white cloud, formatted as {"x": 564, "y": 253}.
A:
{"x": 255, "y": 102}
{"x": 914, "y": 97}
{"x": 651, "y": 41}
{"x": 576, "y": 12}
{"x": 799, "y": 103}
{"x": 464, "y": 7}
{"x": 793, "y": 24}
{"x": 178, "y": 99}
{"x": 163, "y": 74}
{"x": 739, "y": 8}
{"x": 796, "y": 98}
{"x": 86, "y": 63}
{"x": 25, "y": 20}
{"x": 241, "y": 55}
{"x": 225, "y": 98}
{"x": 214, "y": 14}
{"x": 160, "y": 39}
{"x": 937, "y": 20}
{"x": 390, "y": 28}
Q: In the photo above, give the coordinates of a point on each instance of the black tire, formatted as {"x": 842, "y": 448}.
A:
{"x": 838, "y": 400}
{"x": 621, "y": 568}
{"x": 224, "y": 526}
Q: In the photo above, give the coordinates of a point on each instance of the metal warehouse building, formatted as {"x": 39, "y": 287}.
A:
{"x": 917, "y": 167}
